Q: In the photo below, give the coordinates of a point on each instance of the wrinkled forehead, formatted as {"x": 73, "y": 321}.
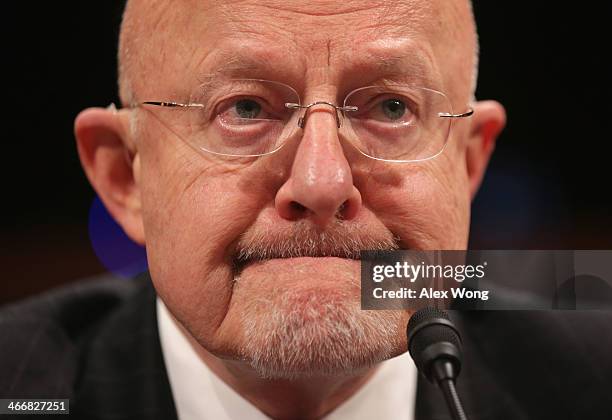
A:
{"x": 300, "y": 43}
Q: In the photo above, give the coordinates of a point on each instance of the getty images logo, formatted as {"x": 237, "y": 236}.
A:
{"x": 411, "y": 272}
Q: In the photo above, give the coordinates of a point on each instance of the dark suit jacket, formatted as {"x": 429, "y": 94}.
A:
{"x": 97, "y": 343}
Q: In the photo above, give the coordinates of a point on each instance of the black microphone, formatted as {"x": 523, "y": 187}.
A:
{"x": 435, "y": 347}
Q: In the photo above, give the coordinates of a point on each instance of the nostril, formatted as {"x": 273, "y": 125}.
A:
{"x": 297, "y": 207}
{"x": 349, "y": 209}
{"x": 341, "y": 210}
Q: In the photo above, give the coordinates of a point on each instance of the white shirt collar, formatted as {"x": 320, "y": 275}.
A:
{"x": 199, "y": 394}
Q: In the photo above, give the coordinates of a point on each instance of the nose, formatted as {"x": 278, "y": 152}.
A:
{"x": 320, "y": 185}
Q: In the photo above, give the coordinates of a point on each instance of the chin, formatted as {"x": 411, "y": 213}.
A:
{"x": 305, "y": 333}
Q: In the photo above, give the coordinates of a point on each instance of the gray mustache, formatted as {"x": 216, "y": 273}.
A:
{"x": 302, "y": 239}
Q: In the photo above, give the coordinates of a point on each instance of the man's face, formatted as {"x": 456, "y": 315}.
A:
{"x": 316, "y": 200}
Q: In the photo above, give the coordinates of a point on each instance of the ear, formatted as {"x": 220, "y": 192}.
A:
{"x": 111, "y": 165}
{"x": 487, "y": 122}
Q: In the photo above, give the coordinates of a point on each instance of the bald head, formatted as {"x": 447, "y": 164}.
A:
{"x": 160, "y": 37}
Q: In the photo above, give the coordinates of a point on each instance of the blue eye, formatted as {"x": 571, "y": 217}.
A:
{"x": 394, "y": 109}
{"x": 247, "y": 109}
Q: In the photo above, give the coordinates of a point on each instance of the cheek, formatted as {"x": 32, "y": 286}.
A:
{"x": 191, "y": 218}
{"x": 428, "y": 208}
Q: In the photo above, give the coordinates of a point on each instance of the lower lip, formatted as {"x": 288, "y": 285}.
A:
{"x": 305, "y": 261}
{"x": 310, "y": 267}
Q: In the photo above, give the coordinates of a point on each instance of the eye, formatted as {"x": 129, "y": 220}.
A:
{"x": 243, "y": 110}
{"x": 394, "y": 109}
{"x": 383, "y": 107}
{"x": 247, "y": 109}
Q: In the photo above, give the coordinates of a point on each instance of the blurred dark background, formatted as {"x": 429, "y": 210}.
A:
{"x": 547, "y": 185}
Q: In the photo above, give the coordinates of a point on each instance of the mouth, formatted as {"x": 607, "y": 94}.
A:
{"x": 287, "y": 247}
{"x": 325, "y": 274}
{"x": 240, "y": 263}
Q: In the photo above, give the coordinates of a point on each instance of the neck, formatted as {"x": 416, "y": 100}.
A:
{"x": 301, "y": 398}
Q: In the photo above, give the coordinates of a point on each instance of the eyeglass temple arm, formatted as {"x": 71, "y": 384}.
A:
{"x": 167, "y": 104}
{"x": 465, "y": 114}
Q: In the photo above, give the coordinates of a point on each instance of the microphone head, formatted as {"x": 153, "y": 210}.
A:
{"x": 433, "y": 337}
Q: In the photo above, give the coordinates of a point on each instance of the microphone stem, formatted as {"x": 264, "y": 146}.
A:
{"x": 452, "y": 399}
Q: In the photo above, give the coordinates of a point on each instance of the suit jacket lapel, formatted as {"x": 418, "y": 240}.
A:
{"x": 124, "y": 376}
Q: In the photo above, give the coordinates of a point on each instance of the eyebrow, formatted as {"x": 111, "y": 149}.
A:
{"x": 236, "y": 64}
{"x": 403, "y": 66}
{"x": 410, "y": 65}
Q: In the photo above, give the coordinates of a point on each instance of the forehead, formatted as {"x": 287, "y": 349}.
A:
{"x": 297, "y": 41}
{"x": 305, "y": 22}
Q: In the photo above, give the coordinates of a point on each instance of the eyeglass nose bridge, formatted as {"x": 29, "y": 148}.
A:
{"x": 302, "y": 119}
